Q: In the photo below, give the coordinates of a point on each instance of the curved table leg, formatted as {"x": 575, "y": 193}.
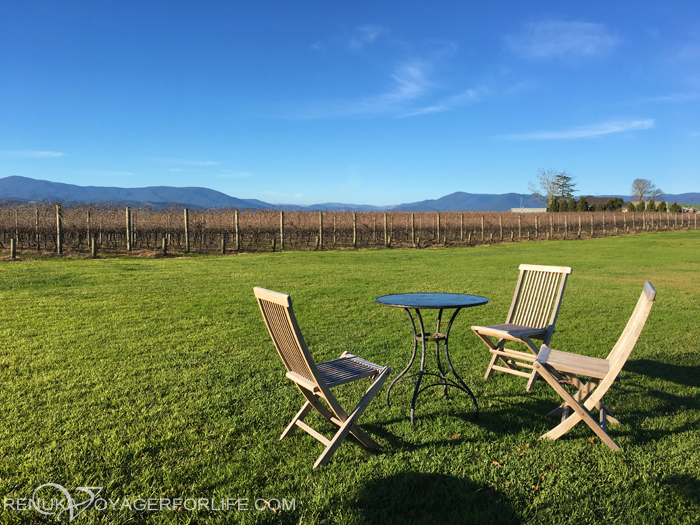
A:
{"x": 422, "y": 362}
{"x": 437, "y": 354}
{"x": 413, "y": 357}
{"x": 449, "y": 362}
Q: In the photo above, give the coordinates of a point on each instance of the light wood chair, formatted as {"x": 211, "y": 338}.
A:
{"x": 315, "y": 381}
{"x": 551, "y": 364}
{"x": 532, "y": 315}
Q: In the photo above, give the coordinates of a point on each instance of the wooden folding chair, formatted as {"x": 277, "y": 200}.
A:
{"x": 532, "y": 315}
{"x": 315, "y": 381}
{"x": 551, "y": 364}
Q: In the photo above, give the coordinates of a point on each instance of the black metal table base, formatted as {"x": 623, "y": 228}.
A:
{"x": 444, "y": 381}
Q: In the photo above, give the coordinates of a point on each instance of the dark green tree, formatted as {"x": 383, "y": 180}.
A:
{"x": 631, "y": 207}
{"x": 675, "y": 207}
{"x": 614, "y": 203}
{"x": 565, "y": 186}
{"x": 554, "y": 205}
{"x": 641, "y": 206}
{"x": 662, "y": 206}
{"x": 600, "y": 207}
{"x": 582, "y": 204}
{"x": 651, "y": 205}
{"x": 572, "y": 205}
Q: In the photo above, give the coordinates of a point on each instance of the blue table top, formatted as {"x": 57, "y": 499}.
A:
{"x": 431, "y": 300}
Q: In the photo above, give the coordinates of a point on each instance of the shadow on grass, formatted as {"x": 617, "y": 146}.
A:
{"x": 687, "y": 487}
{"x": 523, "y": 415}
{"x": 432, "y": 498}
{"x": 516, "y": 412}
{"x": 673, "y": 373}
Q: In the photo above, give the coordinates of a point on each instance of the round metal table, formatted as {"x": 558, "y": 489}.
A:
{"x": 432, "y": 301}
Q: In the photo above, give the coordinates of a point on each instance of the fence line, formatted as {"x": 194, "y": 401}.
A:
{"x": 83, "y": 229}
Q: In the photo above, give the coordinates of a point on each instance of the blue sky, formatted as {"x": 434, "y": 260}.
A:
{"x": 357, "y": 102}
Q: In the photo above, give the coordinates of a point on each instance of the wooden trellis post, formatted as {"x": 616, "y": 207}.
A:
{"x": 88, "y": 225}
{"x": 520, "y": 226}
{"x": 438, "y": 228}
{"x": 282, "y": 229}
{"x": 482, "y": 228}
{"x": 354, "y": 229}
{"x": 128, "y": 229}
{"x": 237, "y": 231}
{"x": 500, "y": 225}
{"x": 386, "y": 231}
{"x": 187, "y": 230}
{"x": 59, "y": 230}
{"x": 320, "y": 230}
{"x": 413, "y": 229}
{"x": 36, "y": 229}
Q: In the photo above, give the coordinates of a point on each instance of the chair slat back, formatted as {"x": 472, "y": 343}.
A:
{"x": 620, "y": 353}
{"x": 538, "y": 295}
{"x": 277, "y": 312}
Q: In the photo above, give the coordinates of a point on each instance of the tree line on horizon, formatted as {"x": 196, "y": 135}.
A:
{"x": 557, "y": 190}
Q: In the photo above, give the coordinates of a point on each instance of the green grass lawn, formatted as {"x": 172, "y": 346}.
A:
{"x": 156, "y": 378}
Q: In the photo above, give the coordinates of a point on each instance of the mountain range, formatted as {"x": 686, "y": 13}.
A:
{"x": 24, "y": 189}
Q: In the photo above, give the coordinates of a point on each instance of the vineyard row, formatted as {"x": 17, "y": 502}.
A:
{"x": 83, "y": 229}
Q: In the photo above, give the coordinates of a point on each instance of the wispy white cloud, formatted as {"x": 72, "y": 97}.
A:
{"x": 468, "y": 96}
{"x": 410, "y": 88}
{"x": 366, "y": 34}
{"x": 410, "y": 82}
{"x": 32, "y": 154}
{"x": 184, "y": 162}
{"x": 558, "y": 38}
{"x": 585, "y": 131}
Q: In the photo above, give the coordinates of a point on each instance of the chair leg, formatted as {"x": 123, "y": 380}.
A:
{"x": 299, "y": 417}
{"x": 489, "y": 369}
{"x": 531, "y": 381}
{"x": 580, "y": 412}
{"x": 350, "y": 424}
{"x": 334, "y": 444}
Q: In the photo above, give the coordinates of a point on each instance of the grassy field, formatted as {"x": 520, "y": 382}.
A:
{"x": 155, "y": 378}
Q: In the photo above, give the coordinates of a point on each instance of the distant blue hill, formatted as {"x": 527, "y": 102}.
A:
{"x": 461, "y": 201}
{"x": 24, "y": 189}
